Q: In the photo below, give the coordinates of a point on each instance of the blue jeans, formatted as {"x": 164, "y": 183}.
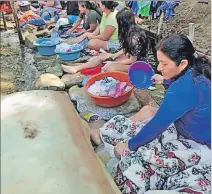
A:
{"x": 72, "y": 18}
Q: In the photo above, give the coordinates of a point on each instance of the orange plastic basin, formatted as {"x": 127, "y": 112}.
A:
{"x": 107, "y": 101}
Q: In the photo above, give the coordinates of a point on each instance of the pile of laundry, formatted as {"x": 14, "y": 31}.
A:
{"x": 108, "y": 86}
{"x": 31, "y": 18}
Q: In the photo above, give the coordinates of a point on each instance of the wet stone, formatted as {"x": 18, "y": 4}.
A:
{"x": 29, "y": 39}
{"x": 37, "y": 57}
{"x": 56, "y": 70}
{"x": 49, "y": 82}
{"x": 72, "y": 79}
{"x": 144, "y": 98}
{"x": 7, "y": 87}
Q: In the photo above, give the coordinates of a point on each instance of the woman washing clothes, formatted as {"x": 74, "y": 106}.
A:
{"x": 134, "y": 45}
{"x": 166, "y": 148}
{"x": 90, "y": 17}
{"x": 106, "y": 34}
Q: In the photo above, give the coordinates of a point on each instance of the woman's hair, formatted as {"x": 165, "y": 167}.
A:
{"x": 133, "y": 40}
{"x": 136, "y": 42}
{"x": 111, "y": 5}
{"x": 178, "y": 48}
{"x": 85, "y": 4}
{"x": 125, "y": 18}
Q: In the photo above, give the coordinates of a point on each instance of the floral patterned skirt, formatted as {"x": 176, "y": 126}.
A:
{"x": 170, "y": 162}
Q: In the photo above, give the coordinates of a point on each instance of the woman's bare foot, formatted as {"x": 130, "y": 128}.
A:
{"x": 69, "y": 69}
{"x": 95, "y": 136}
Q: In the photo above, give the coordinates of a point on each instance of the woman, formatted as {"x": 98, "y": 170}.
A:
{"x": 106, "y": 34}
{"x": 72, "y": 11}
{"x": 90, "y": 17}
{"x": 50, "y": 11}
{"x": 179, "y": 157}
{"x": 133, "y": 41}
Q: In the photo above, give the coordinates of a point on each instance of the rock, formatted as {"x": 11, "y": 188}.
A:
{"x": 80, "y": 60}
{"x": 56, "y": 70}
{"x": 96, "y": 124}
{"x": 85, "y": 104}
{"x": 29, "y": 39}
{"x": 7, "y": 76}
{"x": 72, "y": 79}
{"x": 49, "y": 82}
{"x": 7, "y": 87}
{"x": 51, "y": 66}
{"x": 144, "y": 98}
{"x": 43, "y": 65}
{"x": 158, "y": 94}
{"x": 103, "y": 154}
{"x": 5, "y": 52}
{"x": 38, "y": 58}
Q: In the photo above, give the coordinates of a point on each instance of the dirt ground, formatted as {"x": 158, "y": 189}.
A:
{"x": 190, "y": 11}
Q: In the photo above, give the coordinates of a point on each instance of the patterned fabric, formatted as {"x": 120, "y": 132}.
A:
{"x": 170, "y": 162}
{"x": 113, "y": 47}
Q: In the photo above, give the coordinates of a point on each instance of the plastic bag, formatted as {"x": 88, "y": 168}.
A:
{"x": 55, "y": 39}
{"x": 64, "y": 48}
{"x": 61, "y": 22}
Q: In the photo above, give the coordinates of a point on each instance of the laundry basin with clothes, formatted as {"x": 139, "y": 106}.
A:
{"x": 45, "y": 46}
{"x": 108, "y": 101}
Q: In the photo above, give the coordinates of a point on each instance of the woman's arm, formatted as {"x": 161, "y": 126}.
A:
{"x": 76, "y": 24}
{"x": 128, "y": 61}
{"x": 178, "y": 101}
{"x": 96, "y": 32}
{"x": 92, "y": 28}
{"x": 109, "y": 30}
{"x": 118, "y": 54}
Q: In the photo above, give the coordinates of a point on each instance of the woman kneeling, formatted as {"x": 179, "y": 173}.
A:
{"x": 166, "y": 148}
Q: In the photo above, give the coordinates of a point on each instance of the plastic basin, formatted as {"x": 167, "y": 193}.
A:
{"x": 140, "y": 74}
{"x": 107, "y": 101}
{"x": 45, "y": 50}
{"x": 70, "y": 56}
{"x": 84, "y": 43}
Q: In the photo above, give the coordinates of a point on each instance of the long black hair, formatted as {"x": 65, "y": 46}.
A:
{"x": 91, "y": 6}
{"x": 111, "y": 5}
{"x": 178, "y": 48}
{"x": 125, "y": 18}
{"x": 131, "y": 37}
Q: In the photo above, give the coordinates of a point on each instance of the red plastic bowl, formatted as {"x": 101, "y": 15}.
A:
{"x": 107, "y": 101}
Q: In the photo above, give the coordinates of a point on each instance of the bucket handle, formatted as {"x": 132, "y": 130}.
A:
{"x": 35, "y": 43}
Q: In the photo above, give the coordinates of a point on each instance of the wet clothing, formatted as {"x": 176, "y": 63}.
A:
{"x": 187, "y": 103}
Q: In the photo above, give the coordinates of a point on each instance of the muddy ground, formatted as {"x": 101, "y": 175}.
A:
{"x": 190, "y": 11}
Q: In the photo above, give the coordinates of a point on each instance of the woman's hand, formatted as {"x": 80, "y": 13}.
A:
{"x": 69, "y": 31}
{"x": 120, "y": 148}
{"x": 157, "y": 79}
{"x": 90, "y": 36}
{"x": 107, "y": 65}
